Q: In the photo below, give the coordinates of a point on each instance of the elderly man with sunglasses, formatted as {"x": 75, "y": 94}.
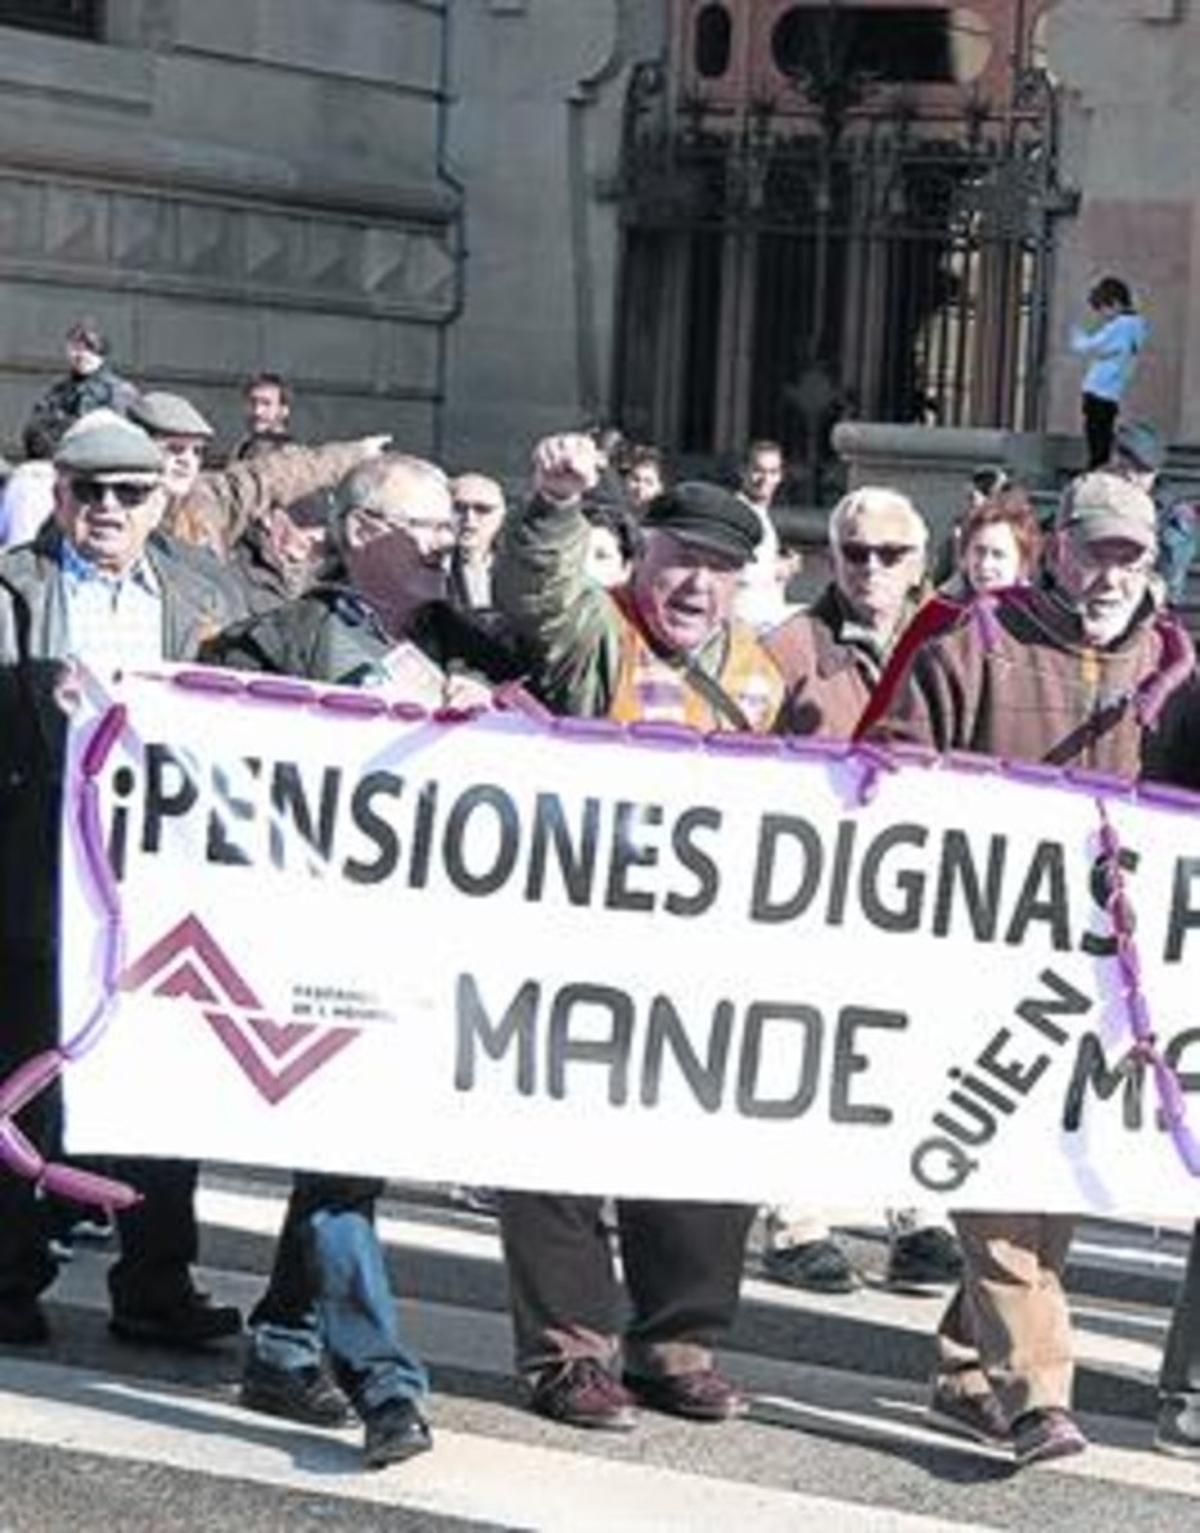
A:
{"x": 831, "y": 656}
{"x": 99, "y": 585}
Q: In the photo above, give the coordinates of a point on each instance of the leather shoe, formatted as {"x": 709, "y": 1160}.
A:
{"x": 298, "y": 1394}
{"x": 703, "y": 1395}
{"x": 395, "y": 1431}
{"x": 189, "y": 1323}
{"x": 582, "y": 1392}
{"x": 23, "y": 1323}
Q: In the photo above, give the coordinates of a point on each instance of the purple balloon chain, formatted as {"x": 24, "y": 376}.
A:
{"x": 37, "y": 1074}
{"x": 1145, "y": 1043}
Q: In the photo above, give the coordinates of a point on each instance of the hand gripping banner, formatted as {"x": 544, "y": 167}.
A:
{"x": 595, "y": 959}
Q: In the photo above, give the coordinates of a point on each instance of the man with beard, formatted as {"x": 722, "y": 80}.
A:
{"x": 1067, "y": 675}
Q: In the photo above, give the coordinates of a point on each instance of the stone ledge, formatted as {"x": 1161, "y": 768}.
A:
{"x": 43, "y": 65}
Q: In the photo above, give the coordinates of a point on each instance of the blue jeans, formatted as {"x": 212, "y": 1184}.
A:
{"x": 329, "y": 1292}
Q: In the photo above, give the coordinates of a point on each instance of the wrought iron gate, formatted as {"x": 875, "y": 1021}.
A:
{"x": 850, "y": 261}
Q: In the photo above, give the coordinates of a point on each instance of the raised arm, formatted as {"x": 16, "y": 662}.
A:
{"x": 566, "y": 622}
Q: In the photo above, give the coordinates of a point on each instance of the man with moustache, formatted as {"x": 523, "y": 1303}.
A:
{"x": 1068, "y": 675}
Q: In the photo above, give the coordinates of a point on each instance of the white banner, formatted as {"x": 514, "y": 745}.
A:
{"x": 490, "y": 954}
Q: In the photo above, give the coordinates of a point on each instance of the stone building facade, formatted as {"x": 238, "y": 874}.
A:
{"x": 404, "y": 206}
{"x": 425, "y": 212}
{"x": 228, "y": 186}
{"x": 1128, "y": 73}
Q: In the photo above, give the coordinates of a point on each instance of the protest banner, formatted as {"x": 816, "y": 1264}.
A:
{"x": 595, "y": 960}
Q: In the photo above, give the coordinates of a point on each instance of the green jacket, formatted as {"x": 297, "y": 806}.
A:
{"x": 569, "y": 627}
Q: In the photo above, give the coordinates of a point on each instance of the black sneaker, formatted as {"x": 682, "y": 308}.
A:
{"x": 395, "y": 1431}
{"x": 821, "y": 1266}
{"x": 191, "y": 1322}
{"x": 978, "y": 1416}
{"x": 298, "y": 1394}
{"x": 23, "y": 1323}
{"x": 924, "y": 1259}
{"x": 1178, "y": 1429}
{"x": 583, "y": 1393}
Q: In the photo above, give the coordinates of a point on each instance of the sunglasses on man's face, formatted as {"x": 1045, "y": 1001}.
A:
{"x": 887, "y": 554}
{"x": 126, "y": 492}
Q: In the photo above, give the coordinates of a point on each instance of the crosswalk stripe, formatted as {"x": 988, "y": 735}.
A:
{"x": 475, "y": 1478}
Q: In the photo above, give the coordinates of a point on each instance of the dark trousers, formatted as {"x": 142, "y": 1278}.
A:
{"x": 1099, "y": 423}
{"x": 1181, "y": 1357}
{"x": 683, "y": 1269}
{"x": 158, "y": 1237}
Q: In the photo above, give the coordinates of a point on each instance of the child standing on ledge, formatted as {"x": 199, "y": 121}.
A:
{"x": 1114, "y": 346}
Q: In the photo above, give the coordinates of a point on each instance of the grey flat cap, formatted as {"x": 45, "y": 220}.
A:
{"x": 105, "y": 443}
{"x": 169, "y": 415}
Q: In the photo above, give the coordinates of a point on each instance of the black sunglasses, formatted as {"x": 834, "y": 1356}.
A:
{"x": 126, "y": 492}
{"x": 888, "y": 554}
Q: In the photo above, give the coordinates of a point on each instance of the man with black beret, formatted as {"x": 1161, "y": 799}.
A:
{"x": 662, "y": 646}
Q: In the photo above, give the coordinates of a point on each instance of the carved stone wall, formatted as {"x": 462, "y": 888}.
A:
{"x": 242, "y": 184}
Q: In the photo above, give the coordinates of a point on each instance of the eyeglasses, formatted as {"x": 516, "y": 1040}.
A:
{"x": 126, "y": 492}
{"x": 379, "y": 522}
{"x": 887, "y": 554}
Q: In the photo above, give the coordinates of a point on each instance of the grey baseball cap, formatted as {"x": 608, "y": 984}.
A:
{"x": 169, "y": 415}
{"x": 1101, "y": 505}
{"x": 104, "y": 442}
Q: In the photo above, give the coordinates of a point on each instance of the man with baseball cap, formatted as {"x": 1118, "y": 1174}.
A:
{"x": 662, "y": 646}
{"x": 99, "y": 584}
{"x": 1056, "y": 681}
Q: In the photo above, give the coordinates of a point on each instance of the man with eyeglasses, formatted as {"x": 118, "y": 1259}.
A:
{"x": 214, "y": 507}
{"x": 832, "y": 655}
{"x": 479, "y": 509}
{"x": 1056, "y": 680}
{"x": 376, "y": 617}
{"x": 100, "y": 585}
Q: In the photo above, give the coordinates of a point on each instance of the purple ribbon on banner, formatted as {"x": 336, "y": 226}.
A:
{"x": 1137, "y": 1011}
{"x": 33, "y": 1077}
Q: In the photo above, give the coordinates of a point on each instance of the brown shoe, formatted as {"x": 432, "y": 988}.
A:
{"x": 703, "y": 1395}
{"x": 583, "y": 1393}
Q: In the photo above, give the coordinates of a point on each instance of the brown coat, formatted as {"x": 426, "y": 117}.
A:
{"x": 224, "y": 502}
{"x": 1037, "y": 692}
{"x": 828, "y": 681}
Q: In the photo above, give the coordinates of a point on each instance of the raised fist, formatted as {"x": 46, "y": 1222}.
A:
{"x": 565, "y": 467}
